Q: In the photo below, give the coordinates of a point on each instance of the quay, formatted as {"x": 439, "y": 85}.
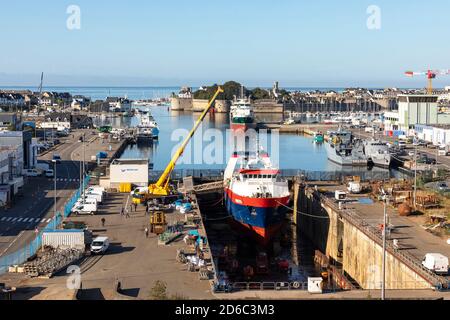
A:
{"x": 350, "y": 236}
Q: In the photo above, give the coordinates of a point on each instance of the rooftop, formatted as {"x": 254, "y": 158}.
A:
{"x": 121, "y": 162}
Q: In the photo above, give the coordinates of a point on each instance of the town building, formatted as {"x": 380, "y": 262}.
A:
{"x": 10, "y": 121}
{"x": 436, "y": 134}
{"x": 24, "y": 141}
{"x": 413, "y": 110}
{"x": 11, "y": 179}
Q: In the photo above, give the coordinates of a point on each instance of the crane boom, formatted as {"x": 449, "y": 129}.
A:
{"x": 161, "y": 187}
{"x": 431, "y": 74}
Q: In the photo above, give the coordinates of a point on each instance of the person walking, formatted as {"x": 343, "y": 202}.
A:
{"x": 135, "y": 207}
{"x": 122, "y": 212}
{"x": 103, "y": 222}
{"x": 127, "y": 215}
{"x": 131, "y": 207}
{"x": 146, "y": 232}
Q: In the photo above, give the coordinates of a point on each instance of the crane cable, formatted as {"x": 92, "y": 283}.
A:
{"x": 215, "y": 203}
{"x": 302, "y": 213}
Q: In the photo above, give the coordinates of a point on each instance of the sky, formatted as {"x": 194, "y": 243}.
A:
{"x": 322, "y": 43}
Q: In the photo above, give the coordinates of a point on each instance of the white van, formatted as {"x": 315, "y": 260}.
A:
{"x": 95, "y": 196}
{"x": 31, "y": 173}
{"x": 86, "y": 200}
{"x": 96, "y": 189}
{"x": 99, "y": 245}
{"x": 436, "y": 262}
{"x": 87, "y": 208}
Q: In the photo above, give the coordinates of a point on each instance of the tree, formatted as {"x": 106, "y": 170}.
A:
{"x": 259, "y": 93}
{"x": 159, "y": 291}
{"x": 230, "y": 88}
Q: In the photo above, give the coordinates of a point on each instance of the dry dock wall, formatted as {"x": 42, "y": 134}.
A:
{"x": 362, "y": 260}
{"x": 348, "y": 244}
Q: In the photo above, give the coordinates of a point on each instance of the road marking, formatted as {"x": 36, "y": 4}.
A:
{"x": 37, "y": 220}
{"x": 13, "y": 220}
{"x": 3, "y": 219}
{"x": 43, "y": 220}
{"x": 49, "y": 219}
{"x": 20, "y": 220}
{"x": 25, "y": 220}
{"x": 8, "y": 219}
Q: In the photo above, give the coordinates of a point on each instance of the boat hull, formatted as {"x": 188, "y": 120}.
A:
{"x": 242, "y": 126}
{"x": 349, "y": 160}
{"x": 261, "y": 218}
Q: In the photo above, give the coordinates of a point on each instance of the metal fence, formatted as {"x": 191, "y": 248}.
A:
{"x": 22, "y": 255}
{"x": 217, "y": 174}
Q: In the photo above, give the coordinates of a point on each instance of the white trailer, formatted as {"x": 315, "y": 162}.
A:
{"x": 436, "y": 262}
{"x": 64, "y": 239}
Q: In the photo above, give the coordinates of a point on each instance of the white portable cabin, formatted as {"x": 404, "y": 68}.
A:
{"x": 436, "y": 262}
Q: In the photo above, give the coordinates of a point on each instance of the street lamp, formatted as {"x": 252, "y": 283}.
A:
{"x": 415, "y": 174}
{"x": 82, "y": 165}
{"x": 383, "y": 271}
{"x": 54, "y": 179}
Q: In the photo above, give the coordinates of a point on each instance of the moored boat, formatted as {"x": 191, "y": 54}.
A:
{"x": 242, "y": 116}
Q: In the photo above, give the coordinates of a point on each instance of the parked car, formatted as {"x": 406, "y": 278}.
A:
{"x": 49, "y": 173}
{"x": 421, "y": 143}
{"x": 57, "y": 158}
{"x": 442, "y": 186}
{"x": 31, "y": 173}
{"x": 100, "y": 245}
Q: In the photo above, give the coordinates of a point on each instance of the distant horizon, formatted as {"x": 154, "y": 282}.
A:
{"x": 198, "y": 86}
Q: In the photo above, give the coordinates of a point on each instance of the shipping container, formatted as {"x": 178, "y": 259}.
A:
{"x": 125, "y": 187}
{"x": 102, "y": 155}
{"x": 65, "y": 239}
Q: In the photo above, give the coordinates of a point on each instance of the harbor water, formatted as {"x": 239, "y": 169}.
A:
{"x": 290, "y": 151}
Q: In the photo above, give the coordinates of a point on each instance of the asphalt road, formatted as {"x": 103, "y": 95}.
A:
{"x": 36, "y": 207}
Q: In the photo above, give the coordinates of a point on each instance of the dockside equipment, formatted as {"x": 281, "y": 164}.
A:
{"x": 162, "y": 188}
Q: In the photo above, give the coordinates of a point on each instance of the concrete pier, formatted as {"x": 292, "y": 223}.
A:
{"x": 351, "y": 237}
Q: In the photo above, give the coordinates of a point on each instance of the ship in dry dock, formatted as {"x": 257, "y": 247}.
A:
{"x": 255, "y": 195}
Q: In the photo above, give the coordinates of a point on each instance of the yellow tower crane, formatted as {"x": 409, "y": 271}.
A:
{"x": 162, "y": 188}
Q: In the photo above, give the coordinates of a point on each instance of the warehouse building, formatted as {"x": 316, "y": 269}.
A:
{"x": 132, "y": 172}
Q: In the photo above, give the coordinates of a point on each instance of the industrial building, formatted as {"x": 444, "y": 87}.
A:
{"x": 25, "y": 140}
{"x": 437, "y": 134}
{"x": 128, "y": 171}
{"x": 414, "y": 110}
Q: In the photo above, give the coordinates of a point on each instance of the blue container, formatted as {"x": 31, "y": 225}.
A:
{"x": 102, "y": 155}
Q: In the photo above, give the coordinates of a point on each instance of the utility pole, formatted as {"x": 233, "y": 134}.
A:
{"x": 54, "y": 178}
{"x": 383, "y": 272}
{"x": 415, "y": 175}
{"x": 84, "y": 165}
